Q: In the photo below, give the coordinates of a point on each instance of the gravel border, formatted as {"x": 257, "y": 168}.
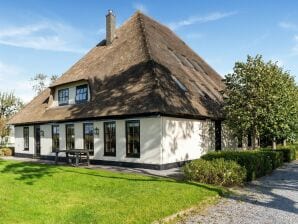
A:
{"x": 270, "y": 199}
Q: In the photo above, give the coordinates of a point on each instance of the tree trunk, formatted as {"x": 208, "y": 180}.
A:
{"x": 274, "y": 143}
{"x": 284, "y": 143}
{"x": 254, "y": 139}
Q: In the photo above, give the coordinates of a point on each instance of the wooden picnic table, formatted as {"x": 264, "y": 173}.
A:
{"x": 76, "y": 152}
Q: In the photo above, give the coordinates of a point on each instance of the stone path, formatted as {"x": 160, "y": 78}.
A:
{"x": 271, "y": 199}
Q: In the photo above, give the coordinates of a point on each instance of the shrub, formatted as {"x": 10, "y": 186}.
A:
{"x": 218, "y": 172}
{"x": 277, "y": 157}
{"x": 289, "y": 153}
{"x": 256, "y": 163}
{"x": 6, "y": 151}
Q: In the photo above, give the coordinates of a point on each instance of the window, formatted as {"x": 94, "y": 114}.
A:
{"x": 110, "y": 138}
{"x": 89, "y": 137}
{"x": 63, "y": 96}
{"x": 55, "y": 138}
{"x": 133, "y": 139}
{"x": 70, "y": 136}
{"x": 26, "y": 138}
{"x": 81, "y": 94}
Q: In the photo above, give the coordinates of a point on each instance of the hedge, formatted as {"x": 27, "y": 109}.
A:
{"x": 257, "y": 163}
{"x": 217, "y": 171}
{"x": 289, "y": 152}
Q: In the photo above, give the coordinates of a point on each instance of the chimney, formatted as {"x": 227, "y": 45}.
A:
{"x": 110, "y": 27}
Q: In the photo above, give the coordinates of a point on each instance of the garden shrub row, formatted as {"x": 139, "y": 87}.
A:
{"x": 257, "y": 163}
{"x": 217, "y": 172}
{"x": 289, "y": 152}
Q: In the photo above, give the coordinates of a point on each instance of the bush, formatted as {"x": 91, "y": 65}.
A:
{"x": 289, "y": 153}
{"x": 256, "y": 163}
{"x": 218, "y": 172}
{"x": 6, "y": 152}
{"x": 277, "y": 157}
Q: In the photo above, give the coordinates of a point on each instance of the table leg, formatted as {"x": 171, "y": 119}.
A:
{"x": 77, "y": 159}
{"x": 56, "y": 158}
{"x": 88, "y": 158}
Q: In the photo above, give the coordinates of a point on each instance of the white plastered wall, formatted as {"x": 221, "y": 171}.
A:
{"x": 186, "y": 139}
{"x": 19, "y": 140}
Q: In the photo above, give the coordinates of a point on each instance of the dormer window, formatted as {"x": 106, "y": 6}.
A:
{"x": 63, "y": 97}
{"x": 82, "y": 94}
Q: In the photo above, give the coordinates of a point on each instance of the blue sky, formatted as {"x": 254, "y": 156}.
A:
{"x": 48, "y": 36}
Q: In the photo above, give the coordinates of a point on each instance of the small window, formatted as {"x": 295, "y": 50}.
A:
{"x": 26, "y": 138}
{"x": 55, "y": 138}
{"x": 179, "y": 84}
{"x": 110, "y": 138}
{"x": 133, "y": 139}
{"x": 81, "y": 94}
{"x": 63, "y": 97}
{"x": 70, "y": 136}
{"x": 89, "y": 137}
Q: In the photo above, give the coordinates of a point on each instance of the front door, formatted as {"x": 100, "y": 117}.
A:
{"x": 37, "y": 140}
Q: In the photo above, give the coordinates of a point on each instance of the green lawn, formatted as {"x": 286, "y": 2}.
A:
{"x": 34, "y": 193}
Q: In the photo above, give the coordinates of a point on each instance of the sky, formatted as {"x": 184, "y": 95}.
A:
{"x": 49, "y": 36}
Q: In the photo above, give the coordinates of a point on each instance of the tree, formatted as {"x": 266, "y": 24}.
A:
{"x": 261, "y": 98}
{"x": 9, "y": 105}
{"x": 42, "y": 81}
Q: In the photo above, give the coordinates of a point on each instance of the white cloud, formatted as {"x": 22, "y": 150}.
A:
{"x": 44, "y": 35}
{"x": 13, "y": 79}
{"x": 141, "y": 7}
{"x": 288, "y": 26}
{"x": 198, "y": 19}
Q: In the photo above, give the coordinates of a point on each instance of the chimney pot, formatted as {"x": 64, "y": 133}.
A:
{"x": 110, "y": 27}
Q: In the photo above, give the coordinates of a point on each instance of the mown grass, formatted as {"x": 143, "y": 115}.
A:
{"x": 36, "y": 193}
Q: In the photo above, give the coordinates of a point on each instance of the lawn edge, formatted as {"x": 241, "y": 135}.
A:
{"x": 183, "y": 214}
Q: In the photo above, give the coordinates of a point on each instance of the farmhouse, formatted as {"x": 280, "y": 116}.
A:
{"x": 139, "y": 98}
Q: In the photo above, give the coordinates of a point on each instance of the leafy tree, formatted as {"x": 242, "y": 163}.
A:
{"x": 41, "y": 82}
{"x": 261, "y": 98}
{"x": 9, "y": 105}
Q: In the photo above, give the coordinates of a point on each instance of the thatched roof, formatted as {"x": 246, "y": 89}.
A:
{"x": 136, "y": 75}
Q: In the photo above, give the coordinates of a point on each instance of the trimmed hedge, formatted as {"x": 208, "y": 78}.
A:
{"x": 277, "y": 157}
{"x": 289, "y": 153}
{"x": 257, "y": 163}
{"x": 217, "y": 171}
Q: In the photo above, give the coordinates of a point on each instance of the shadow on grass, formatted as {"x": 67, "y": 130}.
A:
{"x": 26, "y": 171}
{"x": 30, "y": 173}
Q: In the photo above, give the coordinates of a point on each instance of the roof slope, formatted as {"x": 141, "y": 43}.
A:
{"x": 136, "y": 74}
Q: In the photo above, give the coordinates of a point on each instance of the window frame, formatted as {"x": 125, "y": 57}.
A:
{"x": 67, "y": 135}
{"x": 26, "y": 138}
{"x": 55, "y": 134}
{"x": 84, "y": 86}
{"x": 109, "y": 153}
{"x": 84, "y": 137}
{"x": 64, "y": 102}
{"x": 133, "y": 155}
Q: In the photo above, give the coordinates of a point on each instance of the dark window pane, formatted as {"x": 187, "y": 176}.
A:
{"x": 70, "y": 137}
{"x": 89, "y": 137}
{"x": 81, "y": 93}
{"x": 26, "y": 138}
{"x": 63, "y": 96}
{"x": 55, "y": 138}
{"x": 133, "y": 138}
{"x": 109, "y": 138}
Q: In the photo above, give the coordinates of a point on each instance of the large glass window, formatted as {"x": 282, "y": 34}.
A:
{"x": 63, "y": 96}
{"x": 55, "y": 138}
{"x": 81, "y": 94}
{"x": 26, "y": 138}
{"x": 70, "y": 136}
{"x": 109, "y": 138}
{"x": 133, "y": 139}
{"x": 89, "y": 137}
